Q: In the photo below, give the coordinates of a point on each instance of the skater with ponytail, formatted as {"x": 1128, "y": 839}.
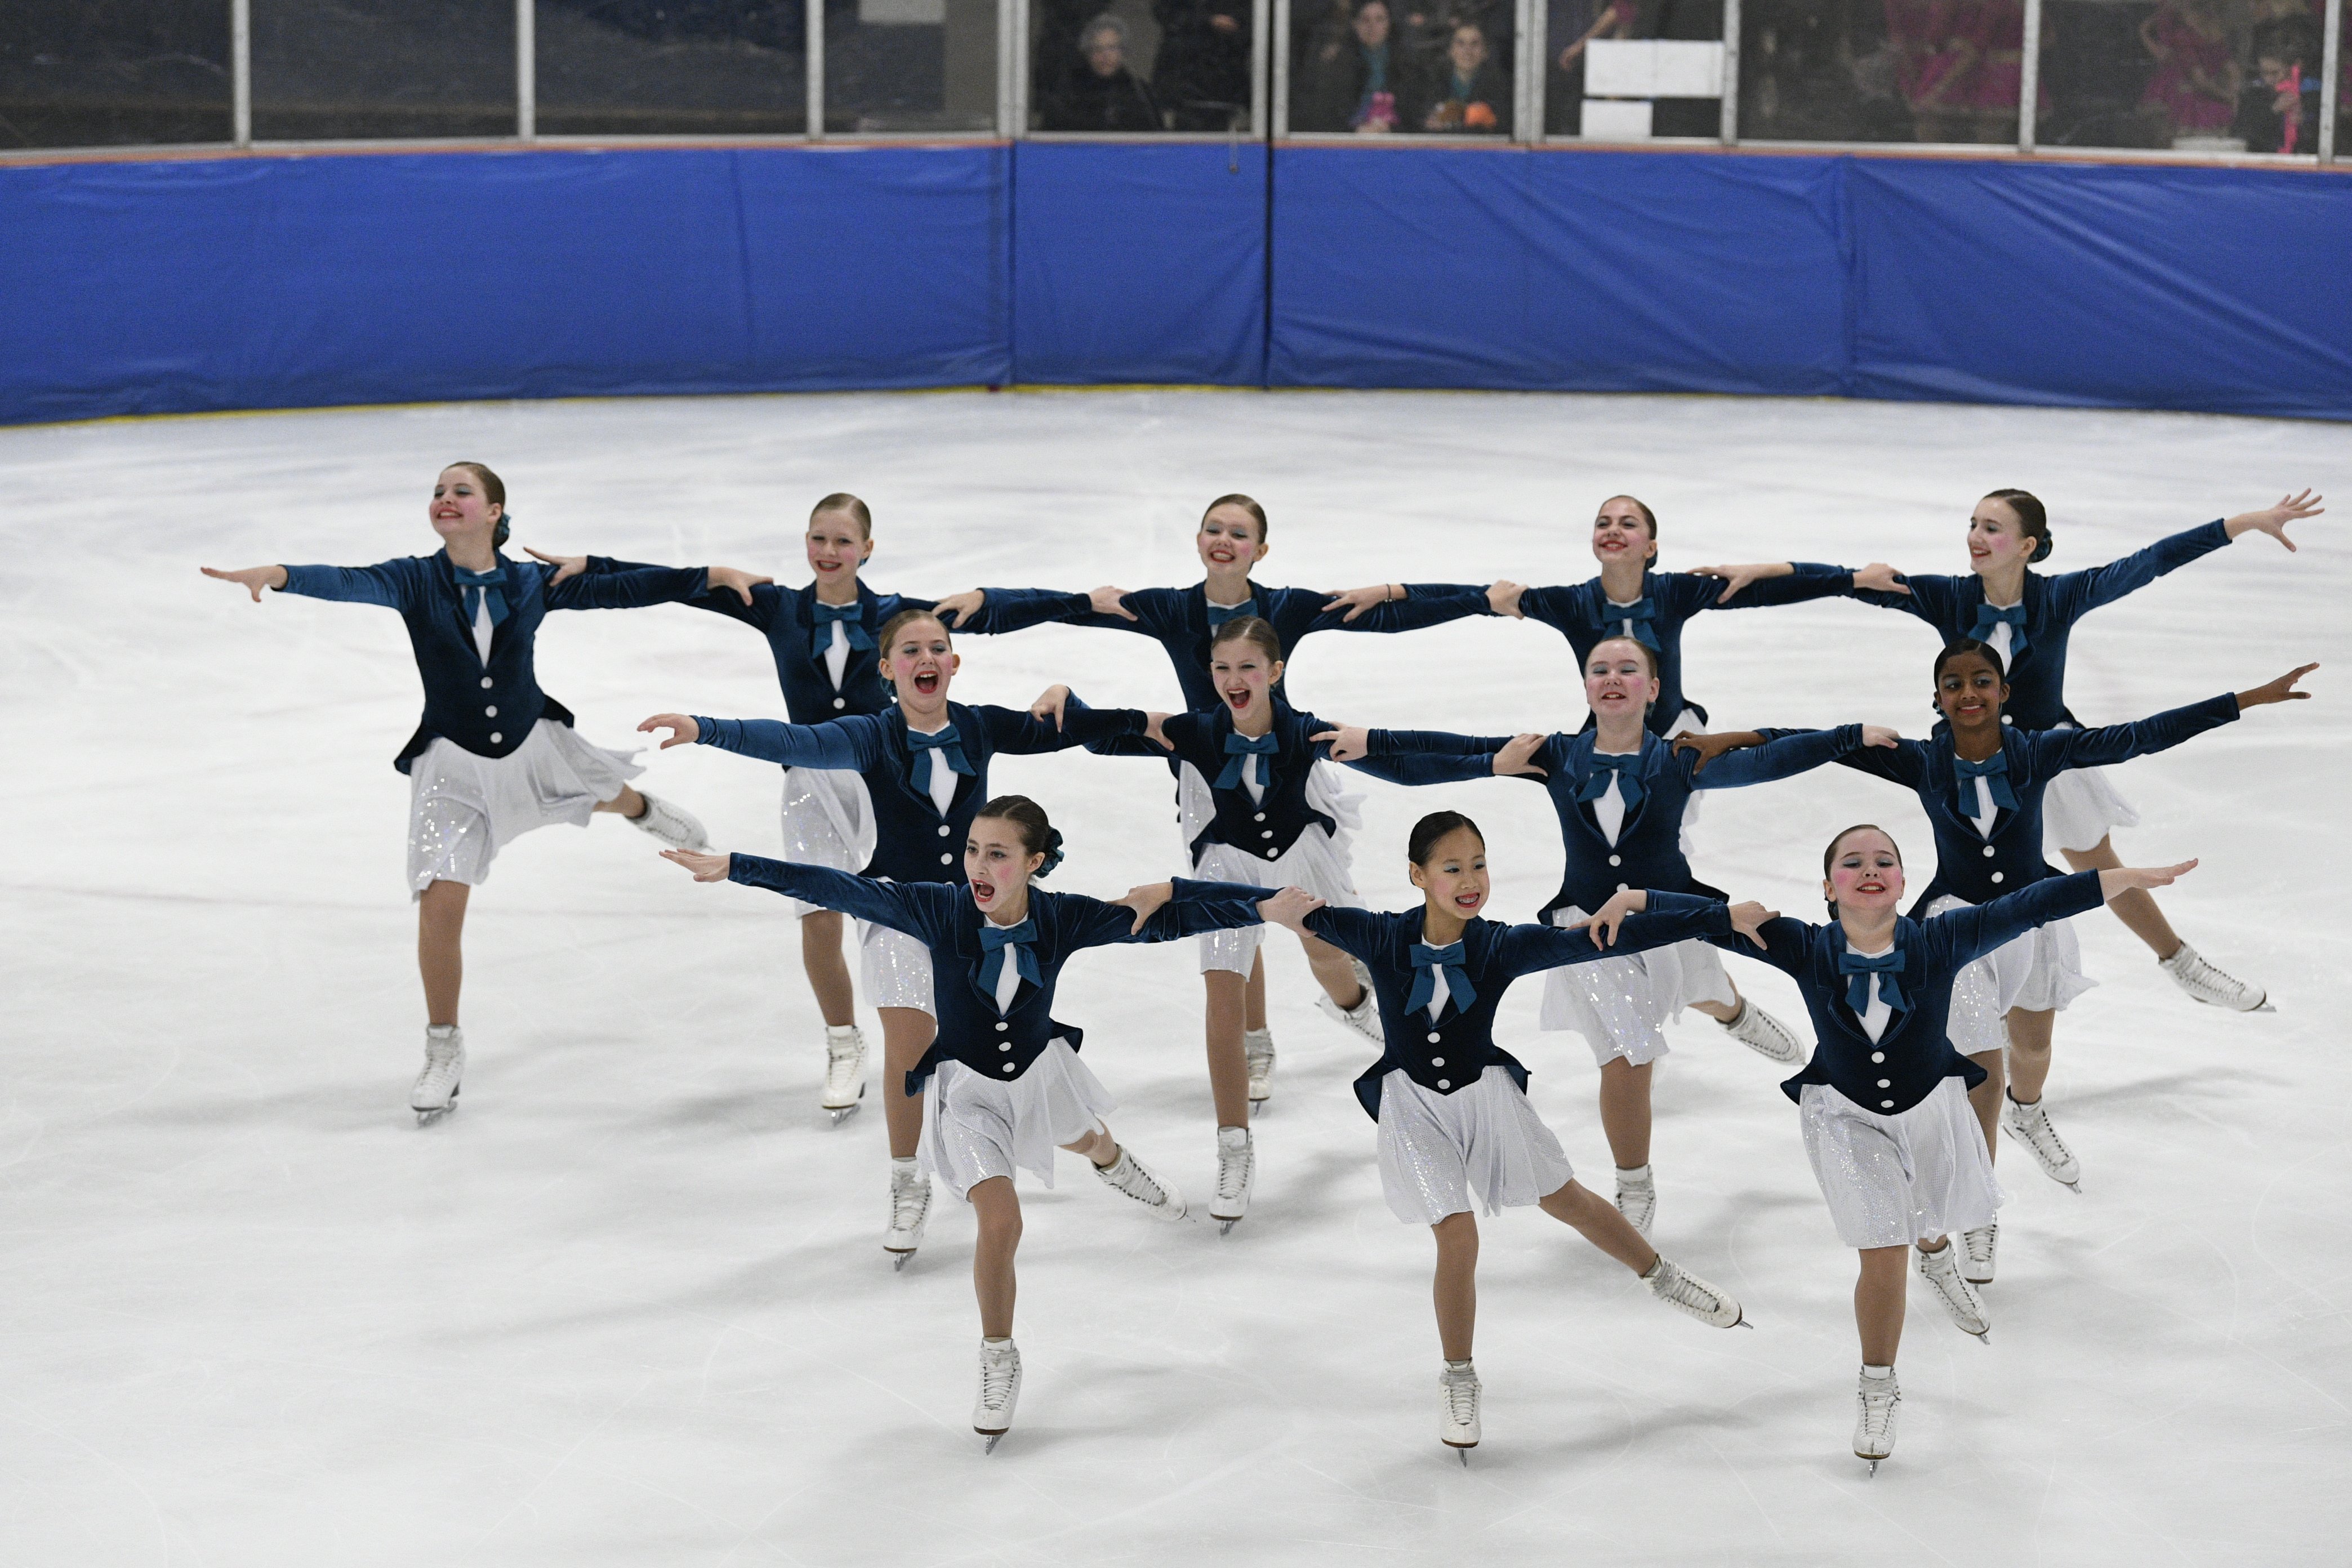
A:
{"x": 1007, "y": 1085}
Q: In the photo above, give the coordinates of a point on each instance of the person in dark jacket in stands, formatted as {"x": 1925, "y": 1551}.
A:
{"x": 1200, "y": 75}
{"x": 1355, "y": 80}
{"x": 1472, "y": 94}
{"x": 1105, "y": 95}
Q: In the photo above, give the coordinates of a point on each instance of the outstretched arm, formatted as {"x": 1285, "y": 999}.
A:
{"x": 2273, "y": 521}
{"x": 1164, "y": 911}
{"x": 1790, "y": 582}
{"x": 852, "y": 744}
{"x": 1786, "y": 755}
{"x": 1970, "y": 933}
{"x": 915, "y": 908}
{"x": 1399, "y": 608}
{"x": 389, "y": 584}
{"x": 1427, "y": 756}
{"x": 2077, "y": 592}
{"x": 1057, "y": 722}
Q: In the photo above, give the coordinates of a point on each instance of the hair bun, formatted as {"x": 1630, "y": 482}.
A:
{"x": 506, "y": 527}
{"x": 1053, "y": 852}
{"x": 2042, "y": 550}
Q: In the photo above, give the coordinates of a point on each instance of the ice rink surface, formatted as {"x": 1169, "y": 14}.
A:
{"x": 628, "y": 1305}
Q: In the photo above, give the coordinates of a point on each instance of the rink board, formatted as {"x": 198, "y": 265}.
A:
{"x": 131, "y": 287}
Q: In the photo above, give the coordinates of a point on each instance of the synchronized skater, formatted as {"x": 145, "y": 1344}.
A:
{"x": 1932, "y": 1030}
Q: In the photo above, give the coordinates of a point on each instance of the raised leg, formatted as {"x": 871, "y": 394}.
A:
{"x": 1625, "y": 1112}
{"x": 1722, "y": 1012}
{"x": 1985, "y": 1098}
{"x": 1456, "y": 1290}
{"x": 440, "y": 959}
{"x": 2136, "y": 909}
{"x": 998, "y": 1209}
{"x": 628, "y": 803}
{"x": 1333, "y": 971}
{"x": 1878, "y": 1303}
{"x": 1598, "y": 1221}
{"x": 1228, "y": 1064}
{"x": 828, "y": 972}
{"x": 2029, "y": 1053}
{"x": 1098, "y": 1146}
{"x": 905, "y": 1035}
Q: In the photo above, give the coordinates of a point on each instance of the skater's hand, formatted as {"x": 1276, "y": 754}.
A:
{"x": 2280, "y": 690}
{"x": 1503, "y": 598}
{"x": 706, "y": 868}
{"x": 735, "y": 577}
{"x": 957, "y": 608}
{"x": 1709, "y": 747}
{"x": 2290, "y": 508}
{"x": 572, "y": 565}
{"x": 1604, "y": 922}
{"x": 1109, "y": 601}
{"x": 1515, "y": 756}
{"x": 1734, "y": 578}
{"x": 688, "y": 731}
{"x": 1747, "y": 918}
{"x": 2127, "y": 879}
{"x": 252, "y": 579}
{"x": 1154, "y": 733}
{"x": 1146, "y": 901}
{"x": 1289, "y": 907}
{"x": 1050, "y": 703}
{"x": 1881, "y": 736}
{"x": 1349, "y": 743}
{"x": 1358, "y": 600}
{"x": 1880, "y": 577}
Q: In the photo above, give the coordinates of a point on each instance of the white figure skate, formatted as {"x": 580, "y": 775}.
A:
{"x": 1000, "y": 1390}
{"x": 1236, "y": 1170}
{"x": 910, "y": 1207}
{"x": 1941, "y": 1270}
{"x": 435, "y": 1093}
{"x": 844, "y": 1071}
{"x": 1686, "y": 1292}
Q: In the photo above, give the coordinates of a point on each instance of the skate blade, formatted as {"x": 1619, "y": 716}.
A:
{"x": 1872, "y": 1472}
{"x": 899, "y": 1260}
{"x": 1741, "y": 1321}
{"x": 1460, "y": 1452}
{"x": 840, "y": 1113}
{"x": 2074, "y": 1187}
{"x": 993, "y": 1439}
{"x": 1983, "y": 1338}
{"x": 428, "y": 1118}
{"x": 1225, "y": 1226}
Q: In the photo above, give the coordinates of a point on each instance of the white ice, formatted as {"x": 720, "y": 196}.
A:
{"x": 629, "y": 1305}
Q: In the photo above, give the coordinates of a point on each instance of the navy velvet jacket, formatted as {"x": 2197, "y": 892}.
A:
{"x": 1906, "y": 1062}
{"x": 2037, "y": 677}
{"x": 912, "y": 841}
{"x": 1648, "y": 852}
{"x": 1178, "y": 619}
{"x": 1453, "y": 1052}
{"x": 785, "y": 617}
{"x": 1972, "y": 865}
{"x": 942, "y": 917}
{"x": 1269, "y": 826}
{"x": 488, "y": 709}
{"x": 1582, "y": 615}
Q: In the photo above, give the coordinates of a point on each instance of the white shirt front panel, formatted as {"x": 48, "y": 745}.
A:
{"x": 837, "y": 656}
{"x": 1609, "y": 809}
{"x": 1624, "y": 626}
{"x": 1874, "y": 1017}
{"x": 1008, "y": 980}
{"x": 1998, "y": 640}
{"x": 1984, "y": 814}
{"x": 482, "y": 628}
{"x": 943, "y": 777}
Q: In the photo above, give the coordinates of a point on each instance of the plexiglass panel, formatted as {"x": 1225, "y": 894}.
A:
{"x": 2194, "y": 75}
{"x": 910, "y": 65}
{"x": 1881, "y": 70}
{"x": 356, "y": 69}
{"x": 635, "y": 67}
{"x": 93, "y": 73}
{"x": 1139, "y": 65}
{"x": 1380, "y": 67}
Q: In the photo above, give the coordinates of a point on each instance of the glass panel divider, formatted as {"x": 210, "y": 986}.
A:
{"x": 1528, "y": 89}
{"x": 2331, "y": 64}
{"x": 527, "y": 70}
{"x": 1261, "y": 66}
{"x": 1280, "y": 125}
{"x": 812, "y": 32}
{"x": 241, "y": 71}
{"x": 2029, "y": 79}
{"x": 1730, "y": 83}
{"x": 1013, "y": 69}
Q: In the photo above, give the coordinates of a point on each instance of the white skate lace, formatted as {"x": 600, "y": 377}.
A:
{"x": 1259, "y": 1057}
{"x": 1942, "y": 1272}
{"x": 2206, "y": 981}
{"x": 1879, "y": 1397}
{"x": 841, "y": 1056}
{"x": 1762, "y": 1033}
{"x": 2034, "y": 1123}
{"x": 1979, "y": 1241}
{"x": 1127, "y": 1175}
{"x": 911, "y": 1198}
{"x": 996, "y": 1373}
{"x": 1233, "y": 1171}
{"x": 1677, "y": 1289}
{"x": 1461, "y": 1397}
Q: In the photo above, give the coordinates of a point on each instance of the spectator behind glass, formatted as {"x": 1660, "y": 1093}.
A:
{"x": 1470, "y": 95}
{"x": 1104, "y": 94}
{"x": 2194, "y": 90}
{"x": 1935, "y": 58}
{"x": 2279, "y": 111}
{"x": 1201, "y": 76}
{"x": 1356, "y": 79}
{"x": 1581, "y": 22}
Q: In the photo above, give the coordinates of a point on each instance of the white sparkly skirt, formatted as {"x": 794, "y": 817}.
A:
{"x": 1436, "y": 1150}
{"x": 2041, "y": 971}
{"x": 828, "y": 820}
{"x": 462, "y": 808}
{"x": 1892, "y": 1180}
{"x": 895, "y": 969}
{"x": 1622, "y": 1005}
{"x": 1316, "y": 862}
{"x": 2079, "y": 808}
{"x": 975, "y": 1127}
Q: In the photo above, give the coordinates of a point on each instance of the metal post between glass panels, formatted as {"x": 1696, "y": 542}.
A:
{"x": 241, "y": 71}
{"x": 526, "y": 71}
{"x": 1280, "y": 126}
{"x": 2331, "y": 64}
{"x": 1527, "y": 86}
{"x": 2029, "y": 78}
{"x": 1260, "y": 58}
{"x": 1012, "y": 46}
{"x": 1730, "y": 130}
{"x": 812, "y": 32}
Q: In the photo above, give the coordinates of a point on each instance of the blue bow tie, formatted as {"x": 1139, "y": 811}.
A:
{"x": 1858, "y": 968}
{"x": 477, "y": 587}
{"x": 1989, "y": 616}
{"x": 1220, "y": 614}
{"x": 1641, "y": 613}
{"x": 994, "y": 941}
{"x": 1239, "y": 750}
{"x": 1428, "y": 964}
{"x": 947, "y": 743}
{"x": 822, "y": 617}
{"x": 1994, "y": 771}
{"x": 1628, "y": 770}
